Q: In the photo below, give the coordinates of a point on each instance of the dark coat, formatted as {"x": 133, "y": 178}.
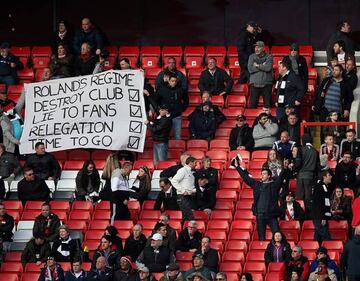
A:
{"x": 9, "y": 164}
{"x": 293, "y": 130}
{"x": 211, "y": 259}
{"x": 345, "y": 175}
{"x": 352, "y": 79}
{"x": 67, "y": 41}
{"x": 141, "y": 192}
{"x": 82, "y": 182}
{"x": 171, "y": 171}
{"x": 46, "y": 226}
{"x": 202, "y": 124}
{"x": 299, "y": 214}
{"x": 220, "y": 82}
{"x": 85, "y": 67}
{"x": 340, "y": 36}
{"x": 31, "y": 249}
{"x": 124, "y": 276}
{"x": 219, "y": 116}
{"x": 160, "y": 129}
{"x": 241, "y": 136}
{"x": 301, "y": 264}
{"x": 62, "y": 67}
{"x": 93, "y": 37}
{"x": 294, "y": 89}
{"x": 168, "y": 200}
{"x": 59, "y": 245}
{"x": 302, "y": 69}
{"x": 286, "y": 252}
{"x": 106, "y": 275}
{"x": 44, "y": 166}
{"x": 184, "y": 243}
{"x": 35, "y": 190}
{"x": 71, "y": 277}
{"x": 60, "y": 274}
{"x": 6, "y": 227}
{"x": 155, "y": 262}
{"x": 133, "y": 247}
{"x": 353, "y": 147}
{"x": 319, "y": 210}
{"x": 350, "y": 256}
{"x": 211, "y": 174}
{"x": 345, "y": 207}
{"x": 112, "y": 259}
{"x": 246, "y": 46}
{"x": 205, "y": 199}
{"x": 6, "y": 69}
{"x": 181, "y": 80}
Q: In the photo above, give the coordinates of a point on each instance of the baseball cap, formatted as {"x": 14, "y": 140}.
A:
{"x": 322, "y": 250}
{"x": 198, "y": 255}
{"x": 157, "y": 237}
{"x": 240, "y": 117}
{"x": 260, "y": 44}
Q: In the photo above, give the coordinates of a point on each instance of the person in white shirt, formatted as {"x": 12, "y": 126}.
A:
{"x": 184, "y": 183}
{"x": 120, "y": 193}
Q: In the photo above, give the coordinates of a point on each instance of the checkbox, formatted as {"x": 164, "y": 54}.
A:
{"x": 133, "y": 142}
{"x": 135, "y": 111}
{"x": 135, "y": 127}
{"x": 134, "y": 95}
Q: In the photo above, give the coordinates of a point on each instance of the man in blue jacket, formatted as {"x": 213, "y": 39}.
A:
{"x": 8, "y": 65}
{"x": 90, "y": 35}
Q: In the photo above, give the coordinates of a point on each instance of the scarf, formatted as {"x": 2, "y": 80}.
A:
{"x": 51, "y": 275}
{"x": 64, "y": 248}
{"x": 327, "y": 201}
{"x": 280, "y": 90}
{"x": 62, "y": 35}
{"x": 288, "y": 215}
{"x": 47, "y": 226}
{"x": 294, "y": 64}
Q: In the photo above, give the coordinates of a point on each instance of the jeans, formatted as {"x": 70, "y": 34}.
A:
{"x": 256, "y": 92}
{"x": 160, "y": 152}
{"x": 8, "y": 80}
{"x": 321, "y": 231}
{"x": 176, "y": 126}
{"x": 262, "y": 221}
{"x": 185, "y": 204}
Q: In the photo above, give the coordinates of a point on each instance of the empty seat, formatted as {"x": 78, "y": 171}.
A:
{"x": 149, "y": 215}
{"x": 235, "y": 101}
{"x": 9, "y": 276}
{"x": 101, "y": 215}
{"x": 60, "y": 205}
{"x": 218, "y": 225}
{"x": 202, "y": 145}
{"x": 150, "y": 56}
{"x": 237, "y": 245}
{"x": 226, "y": 194}
{"x": 258, "y": 245}
{"x": 231, "y": 267}
{"x": 221, "y": 215}
{"x": 80, "y": 215}
{"x": 232, "y": 113}
{"x": 184, "y": 256}
{"x": 28, "y": 224}
{"x": 22, "y": 236}
{"x": 66, "y": 185}
{"x": 254, "y": 266}
{"x": 242, "y": 225}
{"x": 276, "y": 267}
{"x": 255, "y": 255}
{"x": 240, "y": 235}
{"x": 274, "y": 276}
{"x": 177, "y": 144}
{"x": 230, "y": 184}
{"x": 78, "y": 154}
{"x": 94, "y": 235}
{"x": 217, "y": 155}
{"x": 148, "y": 163}
{"x": 193, "y": 56}
{"x": 309, "y": 245}
{"x": 77, "y": 225}
{"x": 233, "y": 256}
{"x": 333, "y": 245}
{"x": 82, "y": 206}
{"x": 98, "y": 224}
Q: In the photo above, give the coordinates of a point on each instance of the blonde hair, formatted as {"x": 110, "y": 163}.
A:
{"x": 112, "y": 163}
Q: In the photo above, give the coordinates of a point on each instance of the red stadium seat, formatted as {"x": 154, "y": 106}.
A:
{"x": 15, "y": 89}
{"x": 334, "y": 255}
{"x": 9, "y": 276}
{"x": 202, "y": 145}
{"x": 91, "y": 244}
{"x": 150, "y": 215}
{"x": 82, "y": 206}
{"x": 150, "y": 56}
{"x": 333, "y": 245}
{"x": 100, "y": 154}
{"x": 152, "y": 73}
{"x": 217, "y": 52}
{"x": 197, "y": 154}
{"x": 147, "y": 163}
{"x": 338, "y": 225}
{"x": 79, "y": 154}
{"x": 246, "y": 194}
{"x": 226, "y": 194}
{"x": 125, "y": 225}
{"x": 33, "y": 205}
{"x": 258, "y": 245}
{"x": 80, "y": 215}
{"x": 98, "y": 224}
{"x": 148, "y": 205}
{"x": 237, "y": 245}
{"x": 230, "y": 184}
{"x": 194, "y": 100}
{"x": 232, "y": 113}
{"x": 231, "y": 267}
{"x": 224, "y": 205}
{"x": 201, "y": 215}
{"x": 174, "y": 214}
{"x": 244, "y": 215}
{"x": 60, "y": 205}
{"x": 193, "y": 56}
{"x": 253, "y": 266}
{"x": 41, "y": 51}
{"x": 217, "y": 155}
{"x": 130, "y": 52}
{"x": 94, "y": 235}
{"x": 233, "y": 256}
{"x": 233, "y": 58}
{"x": 219, "y": 145}
{"x": 274, "y": 276}
{"x": 60, "y": 155}
{"x": 290, "y": 225}
{"x": 29, "y": 215}
{"x": 12, "y": 267}
{"x": 244, "y": 204}
{"x": 77, "y": 225}
{"x": 309, "y": 245}
{"x": 232, "y": 276}
{"x": 308, "y": 225}
{"x": 240, "y": 89}
{"x": 194, "y": 76}
{"x": 276, "y": 267}
{"x": 172, "y": 51}
{"x": 221, "y": 215}
{"x": 177, "y": 144}
{"x": 222, "y": 133}
{"x": 256, "y": 164}
{"x": 268, "y": 234}
{"x": 218, "y": 225}
{"x": 257, "y": 255}
{"x": 101, "y": 215}
{"x": 25, "y": 75}
{"x": 73, "y": 165}
{"x": 310, "y": 254}
{"x": 235, "y": 73}
{"x": 242, "y": 225}
{"x": 30, "y": 276}
{"x": 66, "y": 266}
{"x": 13, "y": 205}
{"x": 259, "y": 155}
{"x": 103, "y": 205}
{"x": 243, "y": 235}
{"x": 184, "y": 256}
{"x": 230, "y": 175}
{"x": 307, "y": 234}
{"x": 235, "y": 101}
{"x": 13, "y": 257}
{"x": 162, "y": 165}
{"x": 245, "y": 155}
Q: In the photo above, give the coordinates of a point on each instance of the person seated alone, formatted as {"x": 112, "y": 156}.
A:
{"x": 9, "y": 64}
{"x": 189, "y": 239}
{"x": 88, "y": 182}
{"x": 6, "y": 226}
{"x": 210, "y": 255}
{"x": 46, "y": 224}
{"x": 241, "y": 136}
{"x": 291, "y": 209}
{"x": 203, "y": 122}
{"x": 205, "y": 197}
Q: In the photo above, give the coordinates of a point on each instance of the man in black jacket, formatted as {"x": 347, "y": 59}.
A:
{"x": 160, "y": 131}
{"x": 135, "y": 243}
{"x": 290, "y": 89}
{"x": 125, "y": 272}
{"x": 167, "y": 197}
{"x": 321, "y": 207}
{"x": 350, "y": 257}
{"x": 210, "y": 255}
{"x": 45, "y": 166}
{"x": 291, "y": 209}
{"x": 89, "y": 35}
{"x": 292, "y": 126}
{"x": 345, "y": 172}
{"x": 172, "y": 95}
{"x": 205, "y": 197}
{"x": 171, "y": 68}
{"x": 350, "y": 75}
{"x": 266, "y": 194}
{"x": 350, "y": 144}
{"x": 6, "y": 225}
{"x": 9, "y": 165}
{"x": 334, "y": 94}
{"x": 219, "y": 116}
{"x": 215, "y": 80}
{"x": 9, "y": 64}
{"x": 203, "y": 122}
{"x": 46, "y": 224}
{"x": 241, "y": 136}
{"x": 106, "y": 249}
{"x": 36, "y": 251}
{"x": 32, "y": 188}
{"x": 189, "y": 239}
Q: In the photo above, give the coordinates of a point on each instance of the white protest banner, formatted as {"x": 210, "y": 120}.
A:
{"x": 102, "y": 111}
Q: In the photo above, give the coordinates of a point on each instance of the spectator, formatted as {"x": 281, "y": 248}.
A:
{"x": 350, "y": 257}
{"x": 45, "y": 166}
{"x": 350, "y": 75}
{"x": 189, "y": 238}
{"x": 115, "y": 239}
{"x": 124, "y": 64}
{"x": 76, "y": 272}
{"x": 284, "y": 146}
{"x": 266, "y": 193}
{"x": 9, "y": 64}
{"x": 163, "y": 76}
{"x": 184, "y": 183}
{"x": 241, "y": 136}
{"x": 246, "y": 277}
{"x": 120, "y": 193}
{"x": 306, "y": 165}
{"x": 330, "y": 67}
{"x": 6, "y": 227}
{"x": 198, "y": 268}
{"x": 342, "y": 34}
{"x": 266, "y": 110}
{"x": 273, "y": 163}
{"x": 62, "y": 63}
{"x": 88, "y": 182}
{"x": 85, "y": 62}
{"x": 6, "y": 104}
{"x": 298, "y": 64}
{"x": 221, "y": 276}
{"x": 107, "y": 250}
{"x": 292, "y": 126}
{"x": 297, "y": 262}
{"x": 62, "y": 36}
{"x": 8, "y": 139}
{"x": 210, "y": 172}
{"x": 101, "y": 271}
{"x": 245, "y": 47}
{"x": 36, "y": 251}
{"x": 161, "y": 228}
{"x": 219, "y": 116}
{"x": 144, "y": 274}
{"x": 264, "y": 133}
{"x": 51, "y": 271}
{"x": 171, "y": 232}
{"x": 334, "y": 94}
{"x": 32, "y": 188}
{"x": 340, "y": 205}
{"x": 167, "y": 197}
{"x": 261, "y": 75}
{"x": 356, "y": 211}
{"x": 46, "y": 224}
{"x": 350, "y": 144}
{"x": 203, "y": 122}
{"x": 323, "y": 271}
{"x": 330, "y": 148}
{"x": 126, "y": 271}
{"x": 291, "y": 209}
{"x": 288, "y": 109}
{"x": 172, "y": 95}
{"x": 196, "y": 276}
{"x": 345, "y": 172}
{"x": 9, "y": 165}
{"x": 172, "y": 273}
{"x": 215, "y": 80}
{"x": 135, "y": 243}
{"x": 88, "y": 34}
{"x": 142, "y": 185}
{"x": 210, "y": 255}
{"x": 321, "y": 212}
{"x": 290, "y": 89}
{"x": 171, "y": 171}
{"x": 339, "y": 52}
{"x": 160, "y": 131}
{"x": 278, "y": 249}
{"x": 111, "y": 164}
{"x": 156, "y": 256}
{"x": 331, "y": 129}
{"x": 103, "y": 63}
{"x": 205, "y": 197}
{"x": 65, "y": 248}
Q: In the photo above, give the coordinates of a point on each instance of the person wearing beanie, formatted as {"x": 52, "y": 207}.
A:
{"x": 321, "y": 255}
{"x": 203, "y": 122}
{"x": 199, "y": 268}
{"x": 172, "y": 273}
{"x": 126, "y": 271}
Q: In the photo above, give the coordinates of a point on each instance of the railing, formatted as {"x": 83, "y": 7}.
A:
{"x": 313, "y": 124}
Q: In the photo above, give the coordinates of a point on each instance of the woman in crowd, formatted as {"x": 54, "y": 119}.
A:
{"x": 62, "y": 63}
{"x": 142, "y": 185}
{"x": 115, "y": 239}
{"x": 210, "y": 172}
{"x": 340, "y": 205}
{"x": 65, "y": 248}
{"x": 85, "y": 63}
{"x": 278, "y": 249}
{"x": 88, "y": 182}
{"x": 62, "y": 36}
{"x": 111, "y": 164}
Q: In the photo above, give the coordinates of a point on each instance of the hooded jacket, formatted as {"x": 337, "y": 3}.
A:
{"x": 350, "y": 256}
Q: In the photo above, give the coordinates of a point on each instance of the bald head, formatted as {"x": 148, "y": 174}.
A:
{"x": 100, "y": 263}
{"x": 86, "y": 24}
